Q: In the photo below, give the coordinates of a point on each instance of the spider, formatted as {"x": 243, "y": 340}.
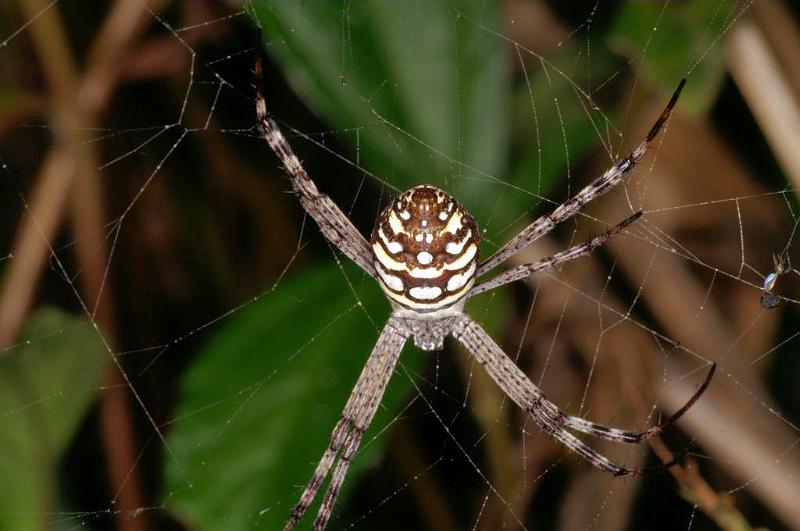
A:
{"x": 782, "y": 265}
{"x": 424, "y": 253}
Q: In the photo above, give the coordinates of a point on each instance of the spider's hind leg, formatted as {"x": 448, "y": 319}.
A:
{"x": 594, "y": 457}
{"x": 523, "y": 392}
{"x": 624, "y": 436}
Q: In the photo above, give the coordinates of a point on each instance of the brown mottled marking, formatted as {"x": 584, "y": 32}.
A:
{"x": 425, "y": 246}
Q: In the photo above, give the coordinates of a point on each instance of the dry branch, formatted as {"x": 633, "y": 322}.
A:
{"x": 768, "y": 94}
{"x": 76, "y": 103}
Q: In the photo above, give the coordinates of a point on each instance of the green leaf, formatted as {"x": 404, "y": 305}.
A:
{"x": 554, "y": 126}
{"x": 258, "y": 406}
{"x": 669, "y": 44}
{"x": 46, "y": 386}
{"x": 425, "y": 84}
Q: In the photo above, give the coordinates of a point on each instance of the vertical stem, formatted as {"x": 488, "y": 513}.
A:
{"x": 75, "y": 106}
{"x": 766, "y": 89}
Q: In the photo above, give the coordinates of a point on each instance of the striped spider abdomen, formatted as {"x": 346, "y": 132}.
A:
{"x": 425, "y": 246}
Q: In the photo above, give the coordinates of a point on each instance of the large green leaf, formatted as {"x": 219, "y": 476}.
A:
{"x": 683, "y": 40}
{"x": 426, "y": 84}
{"x": 258, "y": 407}
{"x": 46, "y": 385}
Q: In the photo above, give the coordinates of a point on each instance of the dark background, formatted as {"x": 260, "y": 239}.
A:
{"x": 178, "y": 339}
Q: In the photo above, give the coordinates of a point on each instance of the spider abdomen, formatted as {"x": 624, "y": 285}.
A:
{"x": 425, "y": 246}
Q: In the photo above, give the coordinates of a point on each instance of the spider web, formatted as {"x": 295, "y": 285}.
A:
{"x": 206, "y": 337}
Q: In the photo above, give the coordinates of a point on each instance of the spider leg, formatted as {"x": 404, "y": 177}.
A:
{"x": 594, "y": 457}
{"x": 333, "y": 223}
{"x": 339, "y": 473}
{"x": 321, "y": 472}
{"x": 630, "y": 437}
{"x": 525, "y": 270}
{"x": 547, "y": 415}
{"x": 356, "y": 417}
{"x": 612, "y": 177}
{"x": 371, "y": 397}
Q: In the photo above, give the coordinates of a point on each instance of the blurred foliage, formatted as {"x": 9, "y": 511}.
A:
{"x": 9, "y": 99}
{"x": 46, "y": 388}
{"x": 553, "y": 127}
{"x": 665, "y": 45}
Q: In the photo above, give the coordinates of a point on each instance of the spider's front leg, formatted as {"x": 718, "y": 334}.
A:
{"x": 333, "y": 223}
{"x": 611, "y": 178}
{"x": 356, "y": 418}
{"x": 526, "y": 270}
{"x": 547, "y": 415}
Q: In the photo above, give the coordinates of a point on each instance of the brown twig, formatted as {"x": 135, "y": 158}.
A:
{"x": 698, "y": 492}
{"x": 766, "y": 89}
{"x": 779, "y": 26}
{"x": 76, "y": 103}
{"x": 31, "y": 249}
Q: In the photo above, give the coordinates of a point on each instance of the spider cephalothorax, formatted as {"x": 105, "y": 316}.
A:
{"x": 426, "y": 247}
{"x": 424, "y": 253}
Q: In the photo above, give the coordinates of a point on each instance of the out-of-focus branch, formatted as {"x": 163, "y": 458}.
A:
{"x": 766, "y": 89}
{"x": 126, "y": 20}
{"x": 75, "y": 104}
{"x": 779, "y": 26}
{"x": 31, "y": 248}
{"x": 43, "y": 214}
{"x": 698, "y": 492}
{"x": 73, "y": 101}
